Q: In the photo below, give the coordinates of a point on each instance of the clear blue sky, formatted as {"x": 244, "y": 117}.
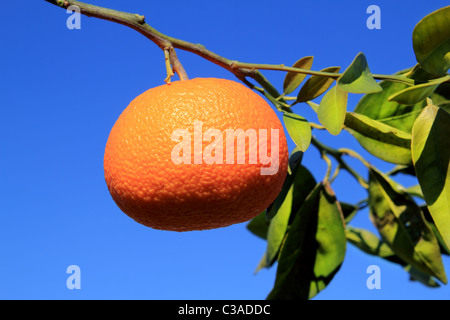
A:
{"x": 62, "y": 90}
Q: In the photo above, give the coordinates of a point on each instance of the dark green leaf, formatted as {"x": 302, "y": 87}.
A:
{"x": 420, "y": 75}
{"x": 371, "y": 244}
{"x": 418, "y": 93}
{"x": 413, "y": 95}
{"x": 277, "y": 103}
{"x": 357, "y": 78}
{"x": 409, "y": 170}
{"x": 316, "y": 85}
{"x": 313, "y": 106}
{"x": 262, "y": 263}
{"x": 295, "y": 159}
{"x": 377, "y": 130}
{"x": 402, "y": 225}
{"x": 294, "y": 163}
{"x": 273, "y": 209}
{"x": 431, "y": 41}
{"x": 377, "y": 107}
{"x": 296, "y": 262}
{"x": 332, "y": 110}
{"x": 314, "y": 248}
{"x": 431, "y": 157}
{"x": 441, "y": 97}
{"x": 299, "y": 130}
{"x": 293, "y": 79}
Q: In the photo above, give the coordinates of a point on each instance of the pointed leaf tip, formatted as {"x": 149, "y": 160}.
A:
{"x": 357, "y": 77}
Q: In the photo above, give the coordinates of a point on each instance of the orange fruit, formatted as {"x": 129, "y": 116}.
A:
{"x": 168, "y": 166}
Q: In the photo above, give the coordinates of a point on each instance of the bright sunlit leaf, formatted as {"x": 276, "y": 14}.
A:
{"x": 332, "y": 110}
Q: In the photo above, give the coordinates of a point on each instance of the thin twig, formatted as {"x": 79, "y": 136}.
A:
{"x": 169, "y": 70}
{"x": 240, "y": 69}
{"x": 337, "y": 155}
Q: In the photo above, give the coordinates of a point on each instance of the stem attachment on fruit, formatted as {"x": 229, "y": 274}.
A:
{"x": 173, "y": 64}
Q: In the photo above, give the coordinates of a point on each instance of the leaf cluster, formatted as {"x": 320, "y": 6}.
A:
{"x": 403, "y": 120}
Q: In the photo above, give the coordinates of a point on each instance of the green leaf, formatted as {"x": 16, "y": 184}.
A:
{"x": 377, "y": 130}
{"x": 332, "y": 109}
{"x": 295, "y": 159}
{"x": 277, "y": 103}
{"x": 415, "y": 94}
{"x": 402, "y": 169}
{"x": 357, "y": 78}
{"x": 316, "y": 85}
{"x": 420, "y": 75}
{"x": 262, "y": 264}
{"x": 299, "y": 130}
{"x": 259, "y": 225}
{"x": 402, "y": 225}
{"x": 314, "y": 248}
{"x": 418, "y": 93}
{"x": 368, "y": 242}
{"x": 431, "y": 158}
{"x": 273, "y": 208}
{"x": 293, "y": 79}
{"x": 330, "y": 239}
{"x": 301, "y": 186}
{"x": 431, "y": 41}
{"x": 313, "y": 106}
{"x": 377, "y": 107}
